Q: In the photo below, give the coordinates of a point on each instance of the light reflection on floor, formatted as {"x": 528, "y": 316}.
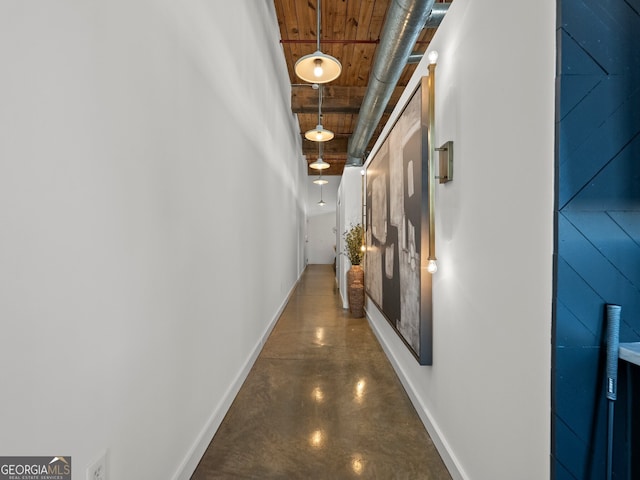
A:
{"x": 335, "y": 412}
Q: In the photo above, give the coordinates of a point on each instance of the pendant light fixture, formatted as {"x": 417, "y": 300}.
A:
{"x": 319, "y": 134}
{"x": 319, "y": 164}
{"x": 318, "y": 67}
{"x": 321, "y": 202}
{"x": 320, "y": 180}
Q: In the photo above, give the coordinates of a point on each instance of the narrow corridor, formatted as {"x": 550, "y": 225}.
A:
{"x": 321, "y": 402}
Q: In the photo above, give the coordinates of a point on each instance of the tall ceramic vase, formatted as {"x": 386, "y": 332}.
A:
{"x": 355, "y": 290}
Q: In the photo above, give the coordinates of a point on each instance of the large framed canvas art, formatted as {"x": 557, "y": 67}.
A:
{"x": 397, "y": 227}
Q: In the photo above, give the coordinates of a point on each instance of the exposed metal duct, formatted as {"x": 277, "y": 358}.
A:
{"x": 438, "y": 12}
{"x": 415, "y": 58}
{"x": 405, "y": 20}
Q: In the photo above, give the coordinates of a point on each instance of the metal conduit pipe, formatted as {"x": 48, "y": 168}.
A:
{"x": 435, "y": 19}
{"x": 438, "y": 12}
{"x": 405, "y": 20}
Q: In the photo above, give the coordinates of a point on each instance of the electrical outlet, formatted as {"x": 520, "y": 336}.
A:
{"x": 98, "y": 469}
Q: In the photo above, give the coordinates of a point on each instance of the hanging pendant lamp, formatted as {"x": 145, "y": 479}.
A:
{"x": 321, "y": 202}
{"x": 319, "y": 134}
{"x": 319, "y": 164}
{"x": 318, "y": 67}
{"x": 320, "y": 180}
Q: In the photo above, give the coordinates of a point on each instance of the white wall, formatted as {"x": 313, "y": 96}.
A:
{"x": 321, "y": 220}
{"x": 149, "y": 186}
{"x": 321, "y": 234}
{"x": 486, "y": 399}
{"x": 350, "y": 208}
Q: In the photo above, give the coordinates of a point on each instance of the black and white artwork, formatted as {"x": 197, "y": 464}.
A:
{"x": 397, "y": 228}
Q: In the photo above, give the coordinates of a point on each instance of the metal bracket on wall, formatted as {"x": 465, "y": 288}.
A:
{"x": 445, "y": 169}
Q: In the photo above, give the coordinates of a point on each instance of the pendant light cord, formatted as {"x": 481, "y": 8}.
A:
{"x": 318, "y": 27}
{"x": 320, "y": 105}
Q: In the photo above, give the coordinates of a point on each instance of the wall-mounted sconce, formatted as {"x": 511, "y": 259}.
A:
{"x": 432, "y": 261}
{"x": 445, "y": 170}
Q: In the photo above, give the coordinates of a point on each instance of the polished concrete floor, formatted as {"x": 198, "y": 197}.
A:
{"x": 321, "y": 402}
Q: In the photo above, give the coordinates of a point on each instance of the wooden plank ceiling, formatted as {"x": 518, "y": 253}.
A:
{"x": 350, "y": 31}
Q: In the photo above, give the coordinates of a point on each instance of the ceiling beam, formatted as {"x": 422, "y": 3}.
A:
{"x": 337, "y": 146}
{"x": 335, "y": 99}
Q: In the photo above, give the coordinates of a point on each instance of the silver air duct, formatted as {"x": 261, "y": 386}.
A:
{"x": 438, "y": 12}
{"x": 405, "y": 20}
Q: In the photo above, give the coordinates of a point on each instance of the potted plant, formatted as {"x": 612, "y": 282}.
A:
{"x": 355, "y": 276}
{"x": 353, "y": 239}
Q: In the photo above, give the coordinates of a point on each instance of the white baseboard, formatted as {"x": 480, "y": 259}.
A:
{"x": 440, "y": 442}
{"x": 197, "y": 450}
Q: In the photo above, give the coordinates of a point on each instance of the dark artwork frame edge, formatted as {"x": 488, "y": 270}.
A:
{"x": 424, "y": 353}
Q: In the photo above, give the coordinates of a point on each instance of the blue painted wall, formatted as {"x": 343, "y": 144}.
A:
{"x": 598, "y": 222}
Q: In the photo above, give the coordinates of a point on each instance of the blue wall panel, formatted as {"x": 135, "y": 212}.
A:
{"x": 577, "y": 388}
{"x": 607, "y": 30}
{"x": 571, "y": 330}
{"x": 612, "y": 242}
{"x": 594, "y": 133}
{"x": 615, "y": 188}
{"x": 598, "y": 222}
{"x": 629, "y": 221}
{"x": 581, "y": 309}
